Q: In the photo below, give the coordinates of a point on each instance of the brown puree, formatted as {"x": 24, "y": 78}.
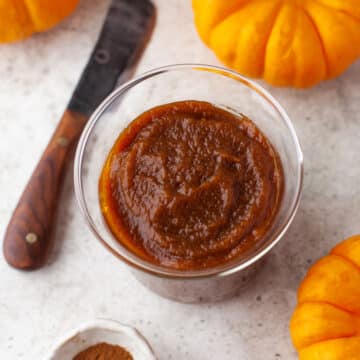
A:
{"x": 189, "y": 185}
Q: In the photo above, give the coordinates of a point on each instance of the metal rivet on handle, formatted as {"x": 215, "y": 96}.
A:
{"x": 31, "y": 238}
{"x": 63, "y": 141}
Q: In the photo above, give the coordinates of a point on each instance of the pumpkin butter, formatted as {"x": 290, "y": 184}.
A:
{"x": 189, "y": 185}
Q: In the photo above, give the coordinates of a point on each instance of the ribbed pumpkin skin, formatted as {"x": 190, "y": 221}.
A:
{"x": 326, "y": 322}
{"x": 21, "y": 18}
{"x": 286, "y": 42}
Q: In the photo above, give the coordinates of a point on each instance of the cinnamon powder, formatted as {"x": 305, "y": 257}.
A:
{"x": 104, "y": 351}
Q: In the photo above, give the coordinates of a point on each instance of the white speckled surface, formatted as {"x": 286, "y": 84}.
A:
{"x": 83, "y": 281}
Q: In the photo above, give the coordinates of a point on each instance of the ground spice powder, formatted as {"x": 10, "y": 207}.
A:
{"x": 104, "y": 351}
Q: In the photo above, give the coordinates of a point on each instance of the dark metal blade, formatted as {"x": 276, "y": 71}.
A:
{"x": 127, "y": 26}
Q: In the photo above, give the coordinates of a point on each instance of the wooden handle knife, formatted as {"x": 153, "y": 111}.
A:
{"x": 127, "y": 27}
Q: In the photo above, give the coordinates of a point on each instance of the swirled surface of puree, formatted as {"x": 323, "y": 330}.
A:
{"x": 189, "y": 185}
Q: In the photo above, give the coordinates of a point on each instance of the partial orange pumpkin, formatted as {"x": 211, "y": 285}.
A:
{"x": 21, "y": 18}
{"x": 326, "y": 321}
{"x": 287, "y": 42}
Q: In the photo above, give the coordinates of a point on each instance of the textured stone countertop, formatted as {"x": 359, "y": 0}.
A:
{"x": 82, "y": 281}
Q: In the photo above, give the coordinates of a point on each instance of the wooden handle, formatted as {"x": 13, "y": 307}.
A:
{"x": 27, "y": 239}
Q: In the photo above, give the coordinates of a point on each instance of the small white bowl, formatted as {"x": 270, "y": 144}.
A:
{"x": 99, "y": 331}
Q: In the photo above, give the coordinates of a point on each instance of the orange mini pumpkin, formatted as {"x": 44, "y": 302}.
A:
{"x": 286, "y": 42}
{"x": 326, "y": 322}
{"x": 21, "y": 18}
